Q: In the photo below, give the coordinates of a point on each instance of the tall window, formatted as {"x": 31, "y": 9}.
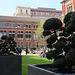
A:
{"x": 26, "y": 26}
{"x": 32, "y": 12}
{"x": 22, "y": 34}
{"x": 34, "y": 35}
{"x": 13, "y": 34}
{"x": 26, "y": 34}
{"x": 52, "y": 14}
{"x": 29, "y": 26}
{"x": 47, "y": 13}
{"x": 4, "y": 25}
{"x": 18, "y": 26}
{"x": 21, "y": 11}
{"x": 13, "y": 25}
{"x": 42, "y": 13}
{"x": 29, "y": 34}
{"x": 35, "y": 27}
{"x": 56, "y": 14}
{"x": 37, "y": 13}
{"x": 10, "y": 25}
{"x": 21, "y": 26}
{"x": 10, "y": 33}
{"x": 1, "y": 33}
{"x": 4, "y": 32}
{"x": 69, "y": 8}
{"x": 18, "y": 34}
{"x": 26, "y": 11}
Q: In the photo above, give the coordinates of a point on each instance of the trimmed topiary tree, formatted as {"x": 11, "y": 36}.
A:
{"x": 61, "y": 42}
{"x": 7, "y": 44}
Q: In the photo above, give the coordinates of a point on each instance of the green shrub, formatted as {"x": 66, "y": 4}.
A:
{"x": 61, "y": 42}
{"x": 7, "y": 44}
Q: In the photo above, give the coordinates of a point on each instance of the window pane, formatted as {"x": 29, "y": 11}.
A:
{"x": 1, "y": 25}
{"x": 21, "y": 11}
{"x": 26, "y": 11}
{"x": 26, "y": 34}
{"x": 18, "y": 34}
{"x": 4, "y": 25}
{"x": 10, "y": 33}
{"x": 29, "y": 34}
{"x": 32, "y": 12}
{"x": 13, "y": 25}
{"x": 42, "y": 13}
{"x": 1, "y": 33}
{"x": 21, "y": 34}
{"x": 52, "y": 14}
{"x": 4, "y": 32}
{"x": 29, "y": 26}
{"x": 34, "y": 35}
{"x": 13, "y": 34}
{"x": 18, "y": 26}
{"x": 21, "y": 26}
{"x": 26, "y": 26}
{"x": 34, "y": 27}
{"x": 10, "y": 25}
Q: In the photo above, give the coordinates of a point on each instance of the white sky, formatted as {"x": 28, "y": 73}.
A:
{"x": 8, "y": 7}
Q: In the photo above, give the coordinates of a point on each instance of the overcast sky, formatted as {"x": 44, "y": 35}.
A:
{"x": 8, "y": 7}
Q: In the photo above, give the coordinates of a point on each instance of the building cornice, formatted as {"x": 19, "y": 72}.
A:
{"x": 19, "y": 19}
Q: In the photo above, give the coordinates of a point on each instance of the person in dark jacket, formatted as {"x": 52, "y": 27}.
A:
{"x": 26, "y": 50}
{"x": 19, "y": 50}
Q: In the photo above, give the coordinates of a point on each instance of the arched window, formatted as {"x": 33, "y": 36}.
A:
{"x": 10, "y": 33}
{"x": 1, "y": 33}
{"x": 13, "y": 34}
{"x": 29, "y": 34}
{"x": 26, "y": 34}
{"x": 4, "y": 32}
{"x": 22, "y": 34}
{"x": 18, "y": 34}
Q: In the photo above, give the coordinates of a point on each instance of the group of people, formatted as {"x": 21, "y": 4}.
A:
{"x": 43, "y": 54}
{"x": 19, "y": 50}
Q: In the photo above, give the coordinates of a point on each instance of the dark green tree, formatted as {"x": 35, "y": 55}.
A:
{"x": 61, "y": 42}
{"x": 7, "y": 44}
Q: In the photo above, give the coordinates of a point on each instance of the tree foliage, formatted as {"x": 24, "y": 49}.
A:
{"x": 7, "y": 44}
{"x": 61, "y": 41}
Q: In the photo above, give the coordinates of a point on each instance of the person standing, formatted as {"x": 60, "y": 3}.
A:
{"x": 26, "y": 50}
